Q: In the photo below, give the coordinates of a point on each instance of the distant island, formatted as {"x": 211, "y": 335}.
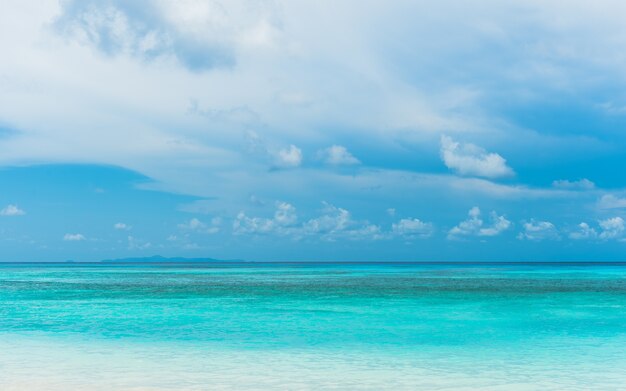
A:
{"x": 162, "y": 259}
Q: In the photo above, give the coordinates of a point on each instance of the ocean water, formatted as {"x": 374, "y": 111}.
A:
{"x": 312, "y": 326}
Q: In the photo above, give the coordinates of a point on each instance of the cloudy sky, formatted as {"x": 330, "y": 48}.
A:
{"x": 313, "y": 130}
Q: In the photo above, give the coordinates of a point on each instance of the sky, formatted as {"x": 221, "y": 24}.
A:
{"x": 313, "y": 130}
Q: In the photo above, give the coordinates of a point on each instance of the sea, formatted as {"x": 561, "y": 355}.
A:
{"x": 312, "y": 326}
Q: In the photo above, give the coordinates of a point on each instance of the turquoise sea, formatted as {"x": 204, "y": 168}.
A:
{"x": 400, "y": 326}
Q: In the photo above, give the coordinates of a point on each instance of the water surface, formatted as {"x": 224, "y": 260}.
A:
{"x": 312, "y": 326}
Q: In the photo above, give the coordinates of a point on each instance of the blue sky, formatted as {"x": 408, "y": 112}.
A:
{"x": 275, "y": 130}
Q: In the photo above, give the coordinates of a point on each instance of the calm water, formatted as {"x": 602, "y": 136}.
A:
{"x": 322, "y": 326}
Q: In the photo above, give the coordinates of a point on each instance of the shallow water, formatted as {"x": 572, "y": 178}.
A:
{"x": 313, "y": 326}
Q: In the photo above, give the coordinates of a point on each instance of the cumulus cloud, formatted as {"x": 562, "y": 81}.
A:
{"x": 12, "y": 210}
{"x": 74, "y": 237}
{"x": 584, "y": 232}
{"x": 475, "y": 226}
{"x": 122, "y": 226}
{"x": 412, "y": 228}
{"x": 352, "y": 97}
{"x": 334, "y": 223}
{"x": 281, "y": 223}
{"x": 337, "y": 155}
{"x": 278, "y": 155}
{"x": 538, "y": 230}
{"x": 471, "y": 160}
{"x": 285, "y": 214}
{"x": 288, "y": 157}
{"x": 609, "y": 201}
{"x": 581, "y": 184}
{"x": 195, "y": 225}
{"x": 611, "y": 228}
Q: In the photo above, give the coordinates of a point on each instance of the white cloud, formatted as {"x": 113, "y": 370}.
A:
{"x": 474, "y": 225}
{"x": 281, "y": 223}
{"x": 252, "y": 225}
{"x": 412, "y": 228}
{"x": 74, "y": 237}
{"x": 337, "y": 155}
{"x": 469, "y": 159}
{"x": 263, "y": 149}
{"x": 194, "y": 224}
{"x": 122, "y": 55}
{"x": 12, "y": 210}
{"x": 581, "y": 184}
{"x": 198, "y": 35}
{"x": 538, "y": 230}
{"x": 86, "y": 102}
{"x": 334, "y": 223}
{"x": 584, "y": 232}
{"x": 122, "y": 226}
{"x": 288, "y": 157}
{"x": 285, "y": 214}
{"x": 609, "y": 201}
{"x": 391, "y": 211}
{"x": 611, "y": 228}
